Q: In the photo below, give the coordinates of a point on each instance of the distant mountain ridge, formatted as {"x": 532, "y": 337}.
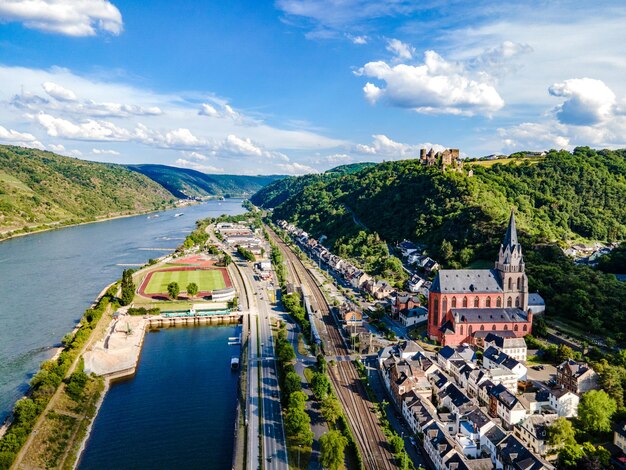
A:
{"x": 185, "y": 182}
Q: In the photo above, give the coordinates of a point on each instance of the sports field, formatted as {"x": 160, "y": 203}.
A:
{"x": 207, "y": 280}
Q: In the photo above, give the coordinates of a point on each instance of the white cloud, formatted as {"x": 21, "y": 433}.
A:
{"x": 435, "y": 87}
{"x": 89, "y": 129}
{"x": 358, "y": 40}
{"x": 104, "y": 152}
{"x": 386, "y": 147}
{"x": 401, "y": 50}
{"x": 208, "y": 110}
{"x": 534, "y": 136}
{"x": 10, "y": 135}
{"x": 296, "y": 168}
{"x": 58, "y": 92}
{"x": 335, "y": 159}
{"x": 588, "y": 101}
{"x": 197, "y": 166}
{"x": 68, "y": 17}
{"x": 197, "y": 156}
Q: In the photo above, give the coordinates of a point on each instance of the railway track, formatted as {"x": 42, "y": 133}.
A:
{"x": 351, "y": 392}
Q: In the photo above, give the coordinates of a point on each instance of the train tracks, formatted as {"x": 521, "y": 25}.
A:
{"x": 359, "y": 410}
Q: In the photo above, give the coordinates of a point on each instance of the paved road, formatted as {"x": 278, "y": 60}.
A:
{"x": 265, "y": 401}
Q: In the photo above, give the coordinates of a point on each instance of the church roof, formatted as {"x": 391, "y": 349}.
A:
{"x": 489, "y": 315}
{"x": 459, "y": 281}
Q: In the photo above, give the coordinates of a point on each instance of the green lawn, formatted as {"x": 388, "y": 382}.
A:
{"x": 207, "y": 280}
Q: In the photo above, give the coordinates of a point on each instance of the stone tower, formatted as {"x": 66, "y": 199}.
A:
{"x": 510, "y": 266}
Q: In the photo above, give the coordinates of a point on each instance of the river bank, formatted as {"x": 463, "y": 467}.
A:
{"x": 11, "y": 234}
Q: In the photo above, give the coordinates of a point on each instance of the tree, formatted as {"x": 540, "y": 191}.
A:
{"x": 332, "y": 448}
{"x": 446, "y": 251}
{"x": 397, "y": 444}
{"x": 611, "y": 379}
{"x": 561, "y": 433}
{"x": 322, "y": 365}
{"x": 226, "y": 259}
{"x": 298, "y": 426}
{"x": 291, "y": 383}
{"x": 570, "y": 455}
{"x": 331, "y": 409}
{"x": 173, "y": 289}
{"x": 564, "y": 353}
{"x": 320, "y": 385}
{"x": 192, "y": 289}
{"x": 128, "y": 287}
{"x": 595, "y": 410}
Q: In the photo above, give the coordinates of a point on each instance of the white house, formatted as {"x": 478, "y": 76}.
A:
{"x": 564, "y": 402}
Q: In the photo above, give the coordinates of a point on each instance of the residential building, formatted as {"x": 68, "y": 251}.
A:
{"x": 494, "y": 358}
{"x": 413, "y": 316}
{"x": 619, "y": 437}
{"x": 533, "y": 431}
{"x": 577, "y": 377}
{"x": 512, "y": 454}
{"x": 504, "y": 405}
{"x": 564, "y": 402}
{"x": 448, "y": 353}
{"x": 507, "y": 343}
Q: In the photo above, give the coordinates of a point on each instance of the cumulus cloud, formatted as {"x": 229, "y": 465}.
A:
{"x": 501, "y": 60}
{"x": 296, "y": 168}
{"x": 208, "y": 110}
{"x": 194, "y": 165}
{"x": 89, "y": 129}
{"x": 436, "y": 87}
{"x": 359, "y": 40}
{"x": 386, "y": 147}
{"x": 401, "y": 50}
{"x": 67, "y": 17}
{"x": 105, "y": 152}
{"x": 335, "y": 159}
{"x": 587, "y": 101}
{"x": 534, "y": 136}
{"x": 10, "y": 135}
{"x": 58, "y": 92}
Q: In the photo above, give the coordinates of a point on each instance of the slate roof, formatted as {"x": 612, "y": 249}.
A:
{"x": 516, "y": 455}
{"x": 535, "y": 299}
{"x": 458, "y": 281}
{"x": 495, "y": 435}
{"x": 477, "y": 417}
{"x": 490, "y": 315}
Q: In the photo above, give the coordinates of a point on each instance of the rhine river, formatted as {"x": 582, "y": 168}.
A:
{"x": 50, "y": 278}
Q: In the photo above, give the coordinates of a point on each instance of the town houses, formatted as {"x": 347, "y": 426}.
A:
{"x": 464, "y": 413}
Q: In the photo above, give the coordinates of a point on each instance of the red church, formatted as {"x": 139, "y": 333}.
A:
{"x": 464, "y": 305}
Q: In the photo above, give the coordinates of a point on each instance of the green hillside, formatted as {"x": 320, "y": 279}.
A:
{"x": 39, "y": 189}
{"x": 562, "y": 198}
{"x": 183, "y": 182}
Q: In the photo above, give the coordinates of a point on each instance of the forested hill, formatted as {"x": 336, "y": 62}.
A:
{"x": 563, "y": 198}
{"x": 41, "y": 188}
{"x": 461, "y": 221}
{"x": 184, "y": 182}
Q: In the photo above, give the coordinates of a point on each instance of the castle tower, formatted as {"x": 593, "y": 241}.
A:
{"x": 510, "y": 267}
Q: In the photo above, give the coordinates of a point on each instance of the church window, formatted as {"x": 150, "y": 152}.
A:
{"x": 517, "y": 302}
{"x": 444, "y": 305}
{"x": 464, "y": 302}
{"x": 519, "y": 283}
{"x": 436, "y": 305}
{"x": 470, "y": 330}
{"x": 525, "y": 328}
{"x": 493, "y": 327}
{"x": 488, "y": 302}
{"x": 506, "y": 327}
{"x": 461, "y": 330}
{"x": 482, "y": 327}
{"x": 476, "y": 302}
{"x": 516, "y": 328}
{"x": 453, "y": 302}
{"x": 510, "y": 284}
{"x": 509, "y": 302}
{"x": 499, "y": 302}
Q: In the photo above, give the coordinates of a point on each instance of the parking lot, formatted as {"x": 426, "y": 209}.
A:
{"x": 548, "y": 372}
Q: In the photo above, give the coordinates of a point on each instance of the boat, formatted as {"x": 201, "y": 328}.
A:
{"x": 179, "y": 214}
{"x": 155, "y": 216}
{"x": 234, "y": 363}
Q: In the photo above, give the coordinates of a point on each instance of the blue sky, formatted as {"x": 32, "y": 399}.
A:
{"x": 294, "y": 86}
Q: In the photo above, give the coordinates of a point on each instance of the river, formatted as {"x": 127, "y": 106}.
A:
{"x": 50, "y": 278}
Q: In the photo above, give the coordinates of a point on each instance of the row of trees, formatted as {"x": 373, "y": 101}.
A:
{"x": 173, "y": 290}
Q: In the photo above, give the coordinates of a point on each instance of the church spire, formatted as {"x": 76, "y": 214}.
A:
{"x": 510, "y": 239}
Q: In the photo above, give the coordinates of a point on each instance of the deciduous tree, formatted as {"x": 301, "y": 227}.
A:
{"x": 173, "y": 289}
{"x": 595, "y": 410}
{"x": 332, "y": 448}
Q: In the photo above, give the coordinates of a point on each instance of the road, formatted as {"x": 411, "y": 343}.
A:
{"x": 350, "y": 390}
{"x": 266, "y": 437}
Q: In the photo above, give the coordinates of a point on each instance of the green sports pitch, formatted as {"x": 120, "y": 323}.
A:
{"x": 207, "y": 280}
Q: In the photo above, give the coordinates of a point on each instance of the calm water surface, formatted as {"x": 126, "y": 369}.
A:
{"x": 179, "y": 409}
{"x": 47, "y": 280}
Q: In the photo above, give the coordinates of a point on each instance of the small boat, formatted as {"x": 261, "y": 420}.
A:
{"x": 179, "y": 214}
{"x": 234, "y": 363}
